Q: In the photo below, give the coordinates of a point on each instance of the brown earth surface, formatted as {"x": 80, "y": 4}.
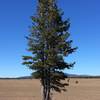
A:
{"x": 30, "y": 89}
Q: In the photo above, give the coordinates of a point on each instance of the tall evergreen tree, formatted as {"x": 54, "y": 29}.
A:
{"x": 49, "y": 44}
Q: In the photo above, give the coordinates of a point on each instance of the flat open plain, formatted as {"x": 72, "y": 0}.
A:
{"x": 30, "y": 89}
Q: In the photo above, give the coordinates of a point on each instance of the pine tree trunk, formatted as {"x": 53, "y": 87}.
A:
{"x": 43, "y": 80}
{"x": 44, "y": 89}
{"x": 46, "y": 86}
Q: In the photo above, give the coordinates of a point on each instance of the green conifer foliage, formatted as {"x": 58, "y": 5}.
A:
{"x": 49, "y": 44}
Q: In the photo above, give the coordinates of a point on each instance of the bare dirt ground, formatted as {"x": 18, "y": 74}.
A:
{"x": 27, "y": 89}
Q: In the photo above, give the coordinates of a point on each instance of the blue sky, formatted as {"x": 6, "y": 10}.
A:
{"x": 85, "y": 32}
